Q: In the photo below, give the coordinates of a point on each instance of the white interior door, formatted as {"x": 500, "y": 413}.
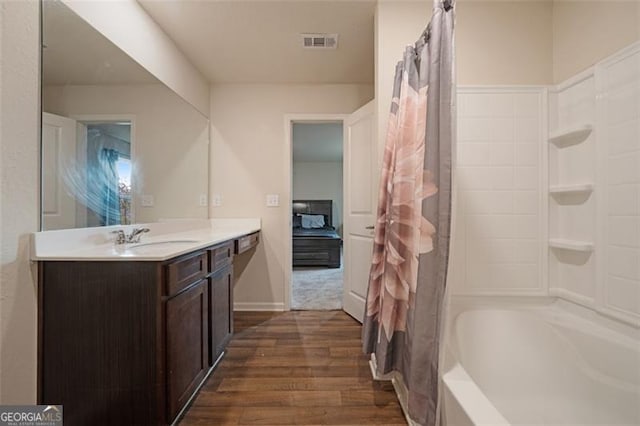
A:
{"x": 58, "y": 155}
{"x": 360, "y": 203}
{"x": 81, "y": 171}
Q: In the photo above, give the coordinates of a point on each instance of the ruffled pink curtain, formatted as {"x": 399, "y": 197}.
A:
{"x": 404, "y": 306}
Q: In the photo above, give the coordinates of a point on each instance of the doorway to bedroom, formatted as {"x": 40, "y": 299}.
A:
{"x": 316, "y": 216}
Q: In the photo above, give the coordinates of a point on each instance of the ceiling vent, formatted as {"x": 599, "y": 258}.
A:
{"x": 319, "y": 41}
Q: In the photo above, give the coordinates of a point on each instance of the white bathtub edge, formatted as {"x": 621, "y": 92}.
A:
{"x": 473, "y": 402}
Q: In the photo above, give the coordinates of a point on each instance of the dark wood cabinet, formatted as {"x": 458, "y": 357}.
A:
{"x": 247, "y": 242}
{"x": 187, "y": 344}
{"x": 220, "y": 311}
{"x": 131, "y": 342}
{"x": 101, "y": 343}
{"x": 185, "y": 271}
{"x": 220, "y": 300}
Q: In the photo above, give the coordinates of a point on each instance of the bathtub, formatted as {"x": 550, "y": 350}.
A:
{"x": 540, "y": 366}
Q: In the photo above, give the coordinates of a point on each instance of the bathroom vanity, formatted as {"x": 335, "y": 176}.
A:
{"x": 129, "y": 337}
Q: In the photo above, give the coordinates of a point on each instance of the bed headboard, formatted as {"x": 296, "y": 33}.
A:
{"x": 324, "y": 207}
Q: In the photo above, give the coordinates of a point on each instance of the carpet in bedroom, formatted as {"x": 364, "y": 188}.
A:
{"x": 316, "y": 288}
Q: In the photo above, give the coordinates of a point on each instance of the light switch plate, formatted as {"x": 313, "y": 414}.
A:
{"x": 273, "y": 200}
{"x": 216, "y": 200}
{"x": 146, "y": 200}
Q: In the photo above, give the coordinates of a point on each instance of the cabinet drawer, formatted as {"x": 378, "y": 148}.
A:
{"x": 220, "y": 256}
{"x": 247, "y": 242}
{"x": 185, "y": 271}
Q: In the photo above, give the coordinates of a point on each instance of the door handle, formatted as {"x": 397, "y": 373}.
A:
{"x": 370, "y": 227}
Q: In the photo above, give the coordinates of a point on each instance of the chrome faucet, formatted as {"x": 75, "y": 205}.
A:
{"x": 121, "y": 238}
{"x": 133, "y": 237}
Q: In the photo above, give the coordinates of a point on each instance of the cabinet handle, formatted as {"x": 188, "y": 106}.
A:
{"x": 370, "y": 227}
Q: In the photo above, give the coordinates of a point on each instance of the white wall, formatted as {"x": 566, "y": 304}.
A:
{"x": 585, "y": 32}
{"x": 320, "y": 181}
{"x": 170, "y": 143}
{"x": 249, "y": 160}
{"x": 498, "y": 241}
{"x": 126, "y": 24}
{"x": 19, "y": 194}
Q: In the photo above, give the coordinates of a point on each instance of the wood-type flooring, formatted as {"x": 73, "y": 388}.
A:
{"x": 294, "y": 368}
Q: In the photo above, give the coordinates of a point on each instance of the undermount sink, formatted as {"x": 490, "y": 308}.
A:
{"x": 160, "y": 243}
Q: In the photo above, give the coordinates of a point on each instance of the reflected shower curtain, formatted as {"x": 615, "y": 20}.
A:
{"x": 110, "y": 200}
{"x": 405, "y": 298}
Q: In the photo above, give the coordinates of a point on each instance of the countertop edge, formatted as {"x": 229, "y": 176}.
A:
{"x": 208, "y": 241}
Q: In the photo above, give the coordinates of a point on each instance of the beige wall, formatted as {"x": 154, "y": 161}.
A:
{"x": 19, "y": 117}
{"x": 504, "y": 42}
{"x": 170, "y": 148}
{"x": 584, "y": 32}
{"x": 497, "y": 42}
{"x": 128, "y": 26}
{"x": 397, "y": 24}
{"x": 320, "y": 181}
{"x": 249, "y": 160}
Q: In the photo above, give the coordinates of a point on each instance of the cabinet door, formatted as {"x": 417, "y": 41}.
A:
{"x": 221, "y": 311}
{"x": 187, "y": 345}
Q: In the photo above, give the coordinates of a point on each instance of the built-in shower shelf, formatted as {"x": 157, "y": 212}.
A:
{"x": 560, "y": 243}
{"x": 570, "y": 135}
{"x": 581, "y": 188}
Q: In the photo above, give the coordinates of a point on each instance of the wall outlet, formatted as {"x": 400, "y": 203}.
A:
{"x": 216, "y": 200}
{"x": 273, "y": 200}
{"x": 203, "y": 200}
{"x": 147, "y": 200}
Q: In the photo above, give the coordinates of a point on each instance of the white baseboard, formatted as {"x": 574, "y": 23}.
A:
{"x": 402, "y": 392}
{"x": 403, "y": 397}
{"x": 249, "y": 306}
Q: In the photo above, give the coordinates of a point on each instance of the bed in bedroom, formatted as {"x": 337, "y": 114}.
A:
{"x": 315, "y": 240}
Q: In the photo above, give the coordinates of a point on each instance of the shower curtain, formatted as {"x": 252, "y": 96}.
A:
{"x": 110, "y": 197}
{"x": 405, "y": 298}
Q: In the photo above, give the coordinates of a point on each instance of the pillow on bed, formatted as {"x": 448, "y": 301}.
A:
{"x": 297, "y": 221}
{"x": 312, "y": 220}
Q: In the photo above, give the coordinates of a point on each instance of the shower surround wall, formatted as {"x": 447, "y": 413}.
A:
{"x": 601, "y": 218}
{"x": 572, "y": 175}
{"x": 552, "y": 212}
{"x": 618, "y": 120}
{"x": 500, "y": 223}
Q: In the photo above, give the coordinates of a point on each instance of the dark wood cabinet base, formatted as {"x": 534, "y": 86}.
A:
{"x": 101, "y": 345}
{"x": 131, "y": 342}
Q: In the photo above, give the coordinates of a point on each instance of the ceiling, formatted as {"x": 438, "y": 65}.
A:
{"x": 257, "y": 41}
{"x": 317, "y": 142}
{"x": 76, "y": 53}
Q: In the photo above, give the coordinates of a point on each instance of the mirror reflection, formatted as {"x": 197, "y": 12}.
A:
{"x": 118, "y": 147}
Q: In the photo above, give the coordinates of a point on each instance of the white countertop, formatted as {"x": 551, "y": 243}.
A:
{"x": 165, "y": 240}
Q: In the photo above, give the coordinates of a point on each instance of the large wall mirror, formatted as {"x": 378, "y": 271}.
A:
{"x": 118, "y": 147}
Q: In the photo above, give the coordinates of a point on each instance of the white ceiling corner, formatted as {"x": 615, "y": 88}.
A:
{"x": 258, "y": 41}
